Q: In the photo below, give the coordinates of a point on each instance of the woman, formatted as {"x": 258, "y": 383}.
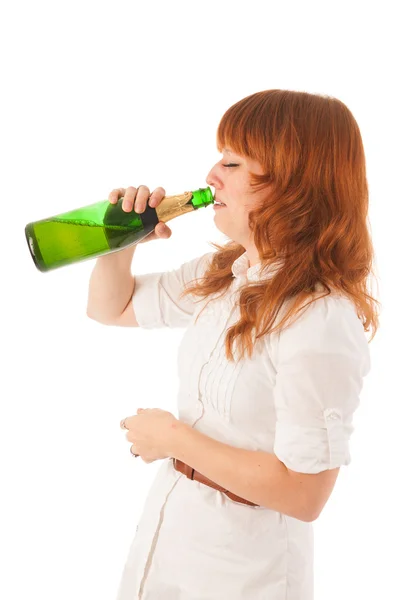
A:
{"x": 265, "y": 404}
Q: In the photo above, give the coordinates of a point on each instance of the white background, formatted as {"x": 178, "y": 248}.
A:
{"x": 98, "y": 95}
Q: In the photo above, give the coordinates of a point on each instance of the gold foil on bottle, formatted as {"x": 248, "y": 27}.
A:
{"x": 173, "y": 206}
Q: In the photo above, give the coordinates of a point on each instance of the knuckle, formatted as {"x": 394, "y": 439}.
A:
{"x": 156, "y": 197}
{"x": 142, "y": 190}
{"x": 142, "y": 197}
{"x": 160, "y": 192}
{"x": 130, "y": 192}
{"x": 116, "y": 194}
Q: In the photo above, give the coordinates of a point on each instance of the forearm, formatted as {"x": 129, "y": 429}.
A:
{"x": 111, "y": 285}
{"x": 257, "y": 476}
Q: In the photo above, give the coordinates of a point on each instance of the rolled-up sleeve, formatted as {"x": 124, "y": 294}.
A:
{"x": 156, "y": 297}
{"x": 321, "y": 361}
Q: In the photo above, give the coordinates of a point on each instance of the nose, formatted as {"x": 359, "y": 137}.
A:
{"x": 213, "y": 179}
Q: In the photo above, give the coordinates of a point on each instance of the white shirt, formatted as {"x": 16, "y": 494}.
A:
{"x": 295, "y": 397}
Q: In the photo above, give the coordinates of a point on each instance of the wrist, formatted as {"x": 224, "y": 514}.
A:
{"x": 180, "y": 429}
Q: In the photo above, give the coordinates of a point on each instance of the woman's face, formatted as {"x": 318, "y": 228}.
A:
{"x": 232, "y": 186}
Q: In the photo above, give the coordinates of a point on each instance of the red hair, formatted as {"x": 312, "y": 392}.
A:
{"x": 314, "y": 216}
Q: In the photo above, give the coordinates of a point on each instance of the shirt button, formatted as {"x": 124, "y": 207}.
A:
{"x": 333, "y": 415}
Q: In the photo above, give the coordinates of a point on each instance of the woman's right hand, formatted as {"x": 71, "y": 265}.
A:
{"x": 138, "y": 198}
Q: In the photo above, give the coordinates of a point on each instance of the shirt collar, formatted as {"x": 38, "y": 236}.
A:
{"x": 241, "y": 269}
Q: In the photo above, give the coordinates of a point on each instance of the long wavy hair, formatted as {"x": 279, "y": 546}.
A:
{"x": 314, "y": 216}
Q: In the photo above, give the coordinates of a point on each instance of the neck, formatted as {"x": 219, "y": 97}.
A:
{"x": 253, "y": 257}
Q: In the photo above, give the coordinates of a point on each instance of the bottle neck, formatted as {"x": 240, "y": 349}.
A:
{"x": 173, "y": 206}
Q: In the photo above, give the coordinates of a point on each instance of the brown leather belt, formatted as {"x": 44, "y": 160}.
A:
{"x": 192, "y": 474}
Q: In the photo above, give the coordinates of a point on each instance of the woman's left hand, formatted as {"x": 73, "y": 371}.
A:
{"x": 151, "y": 432}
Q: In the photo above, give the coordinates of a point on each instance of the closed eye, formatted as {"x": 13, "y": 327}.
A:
{"x": 231, "y": 165}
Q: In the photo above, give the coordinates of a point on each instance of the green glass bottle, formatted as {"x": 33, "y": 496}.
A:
{"x": 101, "y": 228}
